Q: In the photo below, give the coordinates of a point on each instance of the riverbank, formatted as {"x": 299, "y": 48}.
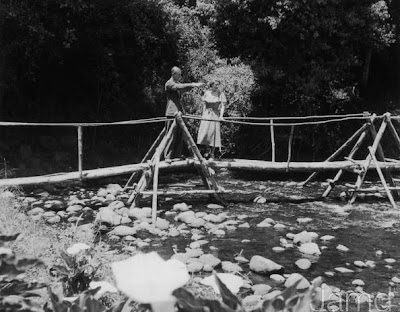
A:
{"x": 354, "y": 243}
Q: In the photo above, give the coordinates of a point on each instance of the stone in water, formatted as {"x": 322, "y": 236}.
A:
{"x": 343, "y": 270}
{"x": 303, "y": 264}
{"x": 390, "y": 260}
{"x": 342, "y": 248}
{"x": 358, "y": 282}
{"x": 277, "y": 278}
{"x": 214, "y": 206}
{"x": 327, "y": 238}
{"x": 360, "y": 264}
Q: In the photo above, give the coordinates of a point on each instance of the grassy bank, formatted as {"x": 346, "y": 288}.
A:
{"x": 45, "y": 242}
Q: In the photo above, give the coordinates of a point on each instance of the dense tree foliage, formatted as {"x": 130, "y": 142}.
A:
{"x": 103, "y": 60}
{"x": 313, "y": 57}
{"x": 84, "y": 60}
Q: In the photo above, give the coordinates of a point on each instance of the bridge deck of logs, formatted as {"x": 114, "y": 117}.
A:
{"x": 232, "y": 164}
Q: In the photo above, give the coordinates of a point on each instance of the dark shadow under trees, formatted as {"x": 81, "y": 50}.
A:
{"x": 82, "y": 61}
{"x": 310, "y": 58}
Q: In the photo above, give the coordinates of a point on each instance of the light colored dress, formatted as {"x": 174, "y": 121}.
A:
{"x": 210, "y": 131}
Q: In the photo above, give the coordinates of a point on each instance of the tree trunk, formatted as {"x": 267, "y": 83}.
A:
{"x": 2, "y": 82}
{"x": 365, "y": 74}
{"x": 397, "y": 62}
{"x": 395, "y": 12}
{"x": 397, "y": 55}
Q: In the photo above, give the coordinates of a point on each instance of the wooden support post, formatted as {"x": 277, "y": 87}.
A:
{"x": 206, "y": 183}
{"x": 394, "y": 133}
{"x": 148, "y": 155}
{"x": 147, "y": 174}
{"x": 203, "y": 163}
{"x": 153, "y": 148}
{"x": 144, "y": 181}
{"x": 290, "y": 147}
{"x": 204, "y": 179}
{"x": 180, "y": 193}
{"x": 351, "y": 155}
{"x": 367, "y": 162}
{"x": 380, "y": 155}
{"x": 385, "y": 186}
{"x": 155, "y": 187}
{"x": 392, "y": 160}
{"x": 80, "y": 152}
{"x": 372, "y": 189}
{"x": 338, "y": 151}
{"x": 272, "y": 140}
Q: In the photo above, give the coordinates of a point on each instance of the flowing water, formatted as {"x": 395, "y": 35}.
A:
{"x": 368, "y": 226}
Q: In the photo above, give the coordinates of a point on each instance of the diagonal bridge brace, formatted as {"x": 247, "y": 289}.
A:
{"x": 151, "y": 172}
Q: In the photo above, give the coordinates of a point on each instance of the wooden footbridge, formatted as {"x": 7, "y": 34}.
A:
{"x": 371, "y": 132}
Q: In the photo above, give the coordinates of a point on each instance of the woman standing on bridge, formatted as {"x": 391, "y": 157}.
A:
{"x": 209, "y": 134}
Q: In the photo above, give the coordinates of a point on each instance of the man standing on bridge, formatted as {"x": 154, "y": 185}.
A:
{"x": 173, "y": 90}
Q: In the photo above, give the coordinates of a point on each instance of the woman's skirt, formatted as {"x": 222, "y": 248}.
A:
{"x": 209, "y": 131}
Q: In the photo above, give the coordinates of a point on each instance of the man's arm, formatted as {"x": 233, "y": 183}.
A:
{"x": 183, "y": 86}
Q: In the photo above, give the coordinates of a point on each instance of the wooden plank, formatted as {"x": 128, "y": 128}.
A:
{"x": 80, "y": 152}
{"x": 370, "y": 189}
{"x": 203, "y": 163}
{"x": 153, "y": 148}
{"x": 380, "y": 154}
{"x": 338, "y": 151}
{"x": 204, "y": 179}
{"x": 184, "y": 192}
{"x": 377, "y": 138}
{"x": 354, "y": 150}
{"x": 375, "y": 189}
{"x": 155, "y": 187}
{"x": 232, "y": 164}
{"x": 268, "y": 166}
{"x": 272, "y": 140}
{"x": 148, "y": 155}
{"x": 385, "y": 186}
{"x": 146, "y": 177}
{"x": 392, "y": 160}
{"x": 393, "y": 131}
{"x": 290, "y": 147}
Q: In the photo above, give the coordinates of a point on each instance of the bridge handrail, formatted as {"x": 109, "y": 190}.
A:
{"x": 228, "y": 119}
{"x": 82, "y": 124}
{"x": 271, "y": 121}
{"x": 298, "y": 117}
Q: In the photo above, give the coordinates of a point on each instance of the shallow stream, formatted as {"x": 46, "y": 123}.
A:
{"x": 369, "y": 226}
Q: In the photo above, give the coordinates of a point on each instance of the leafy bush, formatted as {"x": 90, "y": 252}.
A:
{"x": 16, "y": 294}
{"x": 84, "y": 302}
{"x": 288, "y": 300}
{"x": 237, "y": 82}
{"x": 76, "y": 271}
{"x": 197, "y": 54}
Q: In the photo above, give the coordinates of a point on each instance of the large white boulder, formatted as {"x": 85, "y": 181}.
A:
{"x": 263, "y": 265}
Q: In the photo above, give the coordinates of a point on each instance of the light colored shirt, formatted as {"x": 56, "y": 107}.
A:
{"x": 208, "y": 97}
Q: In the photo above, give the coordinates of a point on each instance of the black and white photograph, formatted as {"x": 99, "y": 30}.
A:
{"x": 199, "y": 155}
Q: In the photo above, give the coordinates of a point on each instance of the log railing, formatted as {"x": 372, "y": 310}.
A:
{"x": 330, "y": 163}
